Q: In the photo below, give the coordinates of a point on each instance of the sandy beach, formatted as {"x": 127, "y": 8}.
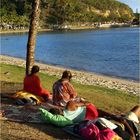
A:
{"x": 88, "y": 78}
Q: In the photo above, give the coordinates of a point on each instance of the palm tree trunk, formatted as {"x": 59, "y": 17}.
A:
{"x": 32, "y": 35}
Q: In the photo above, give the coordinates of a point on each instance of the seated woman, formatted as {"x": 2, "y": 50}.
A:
{"x": 33, "y": 85}
{"x": 63, "y": 90}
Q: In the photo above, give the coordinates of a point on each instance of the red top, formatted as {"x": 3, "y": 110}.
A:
{"x": 91, "y": 112}
{"x": 33, "y": 85}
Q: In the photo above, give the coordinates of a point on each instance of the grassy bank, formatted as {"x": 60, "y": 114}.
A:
{"x": 107, "y": 99}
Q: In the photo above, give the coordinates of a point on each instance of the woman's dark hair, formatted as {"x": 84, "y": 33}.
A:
{"x": 34, "y": 69}
{"x": 56, "y": 111}
{"x": 66, "y": 74}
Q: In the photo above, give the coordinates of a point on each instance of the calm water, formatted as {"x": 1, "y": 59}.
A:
{"x": 112, "y": 52}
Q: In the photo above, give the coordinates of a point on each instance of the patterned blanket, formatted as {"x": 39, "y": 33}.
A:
{"x": 27, "y": 113}
{"x": 22, "y": 113}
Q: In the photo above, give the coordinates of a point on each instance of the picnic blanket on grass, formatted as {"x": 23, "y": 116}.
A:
{"x": 22, "y": 113}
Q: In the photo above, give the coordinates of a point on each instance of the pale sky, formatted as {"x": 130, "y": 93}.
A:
{"x": 133, "y": 4}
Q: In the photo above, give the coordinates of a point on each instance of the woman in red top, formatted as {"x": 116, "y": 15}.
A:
{"x": 33, "y": 85}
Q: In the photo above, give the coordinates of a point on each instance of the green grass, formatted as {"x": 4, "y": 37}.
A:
{"x": 107, "y": 99}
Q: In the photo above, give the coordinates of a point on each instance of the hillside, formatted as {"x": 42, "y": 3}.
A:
{"x": 88, "y": 11}
{"x": 17, "y": 12}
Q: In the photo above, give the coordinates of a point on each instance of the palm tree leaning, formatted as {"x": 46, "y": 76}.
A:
{"x": 32, "y": 35}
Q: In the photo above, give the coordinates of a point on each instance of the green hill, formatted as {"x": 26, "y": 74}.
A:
{"x": 17, "y": 12}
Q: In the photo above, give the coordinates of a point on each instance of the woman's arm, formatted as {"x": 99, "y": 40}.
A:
{"x": 71, "y": 90}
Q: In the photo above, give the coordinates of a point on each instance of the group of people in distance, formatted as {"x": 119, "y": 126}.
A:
{"x": 65, "y": 96}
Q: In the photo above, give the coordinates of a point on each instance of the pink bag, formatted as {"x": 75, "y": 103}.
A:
{"x": 91, "y": 132}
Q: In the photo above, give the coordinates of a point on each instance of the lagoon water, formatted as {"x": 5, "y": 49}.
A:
{"x": 113, "y": 52}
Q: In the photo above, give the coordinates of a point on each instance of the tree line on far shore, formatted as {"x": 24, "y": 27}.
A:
{"x": 16, "y": 13}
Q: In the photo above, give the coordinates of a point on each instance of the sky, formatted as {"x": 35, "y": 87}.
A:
{"x": 133, "y": 4}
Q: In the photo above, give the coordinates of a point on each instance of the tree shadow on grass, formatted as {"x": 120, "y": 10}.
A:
{"x": 32, "y": 131}
{"x": 55, "y": 132}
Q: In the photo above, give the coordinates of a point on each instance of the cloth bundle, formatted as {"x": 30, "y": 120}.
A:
{"x": 23, "y": 97}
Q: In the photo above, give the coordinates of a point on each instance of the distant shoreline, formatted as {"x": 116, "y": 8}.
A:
{"x": 21, "y": 31}
{"x": 44, "y": 30}
{"x": 87, "y": 78}
{"x": 71, "y": 29}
